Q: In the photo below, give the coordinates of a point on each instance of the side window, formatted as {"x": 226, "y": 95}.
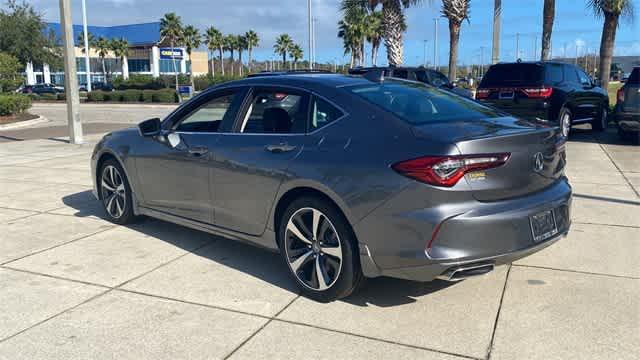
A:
{"x": 438, "y": 79}
{"x": 554, "y": 73}
{"x": 323, "y": 114}
{"x": 570, "y": 75}
{"x": 276, "y": 112}
{"x": 403, "y": 74}
{"x": 584, "y": 79}
{"x": 208, "y": 117}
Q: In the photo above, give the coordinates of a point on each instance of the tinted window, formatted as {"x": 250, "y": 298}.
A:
{"x": 323, "y": 114}
{"x": 570, "y": 75}
{"x": 584, "y": 78}
{"x": 438, "y": 79}
{"x": 554, "y": 73}
{"x": 275, "y": 112}
{"x": 420, "y": 104}
{"x": 513, "y": 75}
{"x": 208, "y": 117}
{"x": 634, "y": 78}
{"x": 403, "y": 74}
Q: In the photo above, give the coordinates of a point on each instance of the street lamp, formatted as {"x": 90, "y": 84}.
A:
{"x": 87, "y": 63}
{"x": 424, "y": 60}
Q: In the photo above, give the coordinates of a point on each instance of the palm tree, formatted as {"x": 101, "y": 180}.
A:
{"x": 374, "y": 34}
{"x": 393, "y": 23}
{"x": 351, "y": 41}
{"x": 192, "y": 39}
{"x": 456, "y": 11}
{"x": 242, "y": 45}
{"x": 282, "y": 46}
{"x": 102, "y": 47}
{"x": 495, "y": 46}
{"x": 120, "y": 48}
{"x": 92, "y": 40}
{"x": 354, "y": 29}
{"x": 230, "y": 45}
{"x": 296, "y": 54}
{"x": 215, "y": 40}
{"x": 171, "y": 30}
{"x": 610, "y": 10}
{"x": 252, "y": 41}
{"x": 549, "y": 13}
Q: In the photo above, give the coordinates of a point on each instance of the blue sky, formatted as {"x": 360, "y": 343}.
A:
{"x": 575, "y": 25}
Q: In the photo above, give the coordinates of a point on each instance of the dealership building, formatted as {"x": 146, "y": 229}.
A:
{"x": 148, "y": 54}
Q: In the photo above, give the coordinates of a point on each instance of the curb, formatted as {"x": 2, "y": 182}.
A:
{"x": 20, "y": 124}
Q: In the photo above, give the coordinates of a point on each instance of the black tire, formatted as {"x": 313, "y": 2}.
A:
{"x": 562, "y": 121}
{"x": 349, "y": 276}
{"x": 600, "y": 123}
{"x": 123, "y": 199}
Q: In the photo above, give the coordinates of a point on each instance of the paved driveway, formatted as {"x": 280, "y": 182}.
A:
{"x": 73, "y": 285}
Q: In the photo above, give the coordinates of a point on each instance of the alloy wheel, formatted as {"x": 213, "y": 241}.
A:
{"x": 113, "y": 191}
{"x": 312, "y": 248}
{"x": 565, "y": 123}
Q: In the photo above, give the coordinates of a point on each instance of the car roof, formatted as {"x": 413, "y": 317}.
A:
{"x": 303, "y": 79}
{"x": 538, "y": 62}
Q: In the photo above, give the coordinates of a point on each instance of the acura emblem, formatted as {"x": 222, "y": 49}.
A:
{"x": 538, "y": 162}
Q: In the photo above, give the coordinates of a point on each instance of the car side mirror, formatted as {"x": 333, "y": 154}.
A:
{"x": 151, "y": 127}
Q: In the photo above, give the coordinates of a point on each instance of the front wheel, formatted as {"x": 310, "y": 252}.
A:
{"x": 115, "y": 193}
{"x": 319, "y": 248}
{"x": 600, "y": 123}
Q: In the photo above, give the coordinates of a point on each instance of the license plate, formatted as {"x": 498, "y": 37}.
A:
{"x": 543, "y": 225}
{"x": 506, "y": 95}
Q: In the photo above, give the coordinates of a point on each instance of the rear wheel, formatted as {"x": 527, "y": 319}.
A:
{"x": 564, "y": 120}
{"x": 600, "y": 123}
{"x": 115, "y": 192}
{"x": 318, "y": 247}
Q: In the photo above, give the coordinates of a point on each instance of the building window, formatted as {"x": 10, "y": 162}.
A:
{"x": 139, "y": 65}
{"x": 188, "y": 66}
{"x": 166, "y": 66}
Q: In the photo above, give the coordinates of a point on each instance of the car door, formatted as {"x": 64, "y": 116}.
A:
{"x": 251, "y": 163}
{"x": 174, "y": 170}
{"x": 592, "y": 97}
{"x": 576, "y": 94}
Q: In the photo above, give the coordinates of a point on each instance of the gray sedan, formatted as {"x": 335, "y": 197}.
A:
{"x": 348, "y": 177}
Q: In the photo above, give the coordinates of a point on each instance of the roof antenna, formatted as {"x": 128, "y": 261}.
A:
{"x": 374, "y": 75}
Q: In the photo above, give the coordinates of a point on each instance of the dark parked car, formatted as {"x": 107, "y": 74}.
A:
{"x": 348, "y": 178}
{"x": 42, "y": 89}
{"x": 97, "y": 86}
{"x": 421, "y": 74}
{"x": 627, "y": 111}
{"x": 550, "y": 91}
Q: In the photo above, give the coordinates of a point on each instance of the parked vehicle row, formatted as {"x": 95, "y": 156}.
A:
{"x": 627, "y": 110}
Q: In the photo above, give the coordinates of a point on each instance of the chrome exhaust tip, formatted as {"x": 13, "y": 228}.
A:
{"x": 462, "y": 272}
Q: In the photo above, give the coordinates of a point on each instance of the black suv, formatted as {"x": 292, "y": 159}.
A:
{"x": 548, "y": 91}
{"x": 627, "y": 113}
{"x": 421, "y": 74}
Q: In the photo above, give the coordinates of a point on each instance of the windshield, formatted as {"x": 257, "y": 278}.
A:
{"x": 420, "y": 104}
{"x": 513, "y": 75}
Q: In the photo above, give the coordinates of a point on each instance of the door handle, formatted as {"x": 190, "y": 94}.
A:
{"x": 280, "y": 148}
{"x": 198, "y": 150}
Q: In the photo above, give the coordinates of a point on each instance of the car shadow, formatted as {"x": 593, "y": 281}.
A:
{"x": 255, "y": 261}
{"x": 583, "y": 133}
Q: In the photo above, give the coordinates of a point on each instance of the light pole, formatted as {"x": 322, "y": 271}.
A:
{"x": 310, "y": 34}
{"x": 87, "y": 63}
{"x": 435, "y": 44}
{"x": 70, "y": 78}
{"x": 517, "y": 46}
{"x": 481, "y": 60}
{"x": 424, "y": 60}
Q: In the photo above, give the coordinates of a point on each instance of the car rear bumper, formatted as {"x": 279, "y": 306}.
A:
{"x": 628, "y": 122}
{"x": 528, "y": 110}
{"x": 397, "y": 244}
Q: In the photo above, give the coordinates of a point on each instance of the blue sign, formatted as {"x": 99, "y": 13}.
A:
{"x": 184, "y": 89}
{"x": 169, "y": 53}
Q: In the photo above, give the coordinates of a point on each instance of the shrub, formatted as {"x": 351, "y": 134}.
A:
{"x": 48, "y": 97}
{"x": 113, "y": 95}
{"x": 147, "y": 95}
{"x": 33, "y": 96}
{"x": 61, "y": 96}
{"x": 132, "y": 95}
{"x": 11, "y": 104}
{"x": 97, "y": 95}
{"x": 165, "y": 95}
{"x": 137, "y": 82}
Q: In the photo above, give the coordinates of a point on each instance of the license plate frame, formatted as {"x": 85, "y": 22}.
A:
{"x": 543, "y": 225}
{"x": 506, "y": 94}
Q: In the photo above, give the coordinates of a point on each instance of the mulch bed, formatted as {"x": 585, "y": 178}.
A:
{"x": 17, "y": 118}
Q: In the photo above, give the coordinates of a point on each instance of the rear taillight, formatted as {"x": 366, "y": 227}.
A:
{"x": 447, "y": 170}
{"x": 620, "y": 95}
{"x": 542, "y": 92}
{"x": 482, "y": 93}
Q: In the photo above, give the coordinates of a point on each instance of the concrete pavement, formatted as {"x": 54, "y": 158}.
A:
{"x": 73, "y": 285}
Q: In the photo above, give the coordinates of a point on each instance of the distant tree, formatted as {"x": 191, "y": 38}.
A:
{"x": 80, "y": 41}
{"x": 374, "y": 32}
{"x": 120, "y": 48}
{"x": 252, "y": 41}
{"x": 353, "y": 29}
{"x": 215, "y": 41}
{"x": 102, "y": 47}
{"x": 282, "y": 46}
{"x": 610, "y": 10}
{"x": 192, "y": 40}
{"x": 549, "y": 13}
{"x": 10, "y": 69}
{"x": 242, "y": 46}
{"x": 230, "y": 45}
{"x": 456, "y": 11}
{"x": 22, "y": 35}
{"x": 296, "y": 54}
{"x": 171, "y": 30}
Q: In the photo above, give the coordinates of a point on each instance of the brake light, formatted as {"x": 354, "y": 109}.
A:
{"x": 482, "y": 93}
{"x": 542, "y": 92}
{"x": 446, "y": 171}
{"x": 620, "y": 95}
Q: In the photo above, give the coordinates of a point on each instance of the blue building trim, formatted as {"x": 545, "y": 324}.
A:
{"x": 135, "y": 34}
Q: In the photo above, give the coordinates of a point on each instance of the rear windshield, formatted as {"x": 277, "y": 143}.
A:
{"x": 513, "y": 75}
{"x": 420, "y": 104}
{"x": 634, "y": 78}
